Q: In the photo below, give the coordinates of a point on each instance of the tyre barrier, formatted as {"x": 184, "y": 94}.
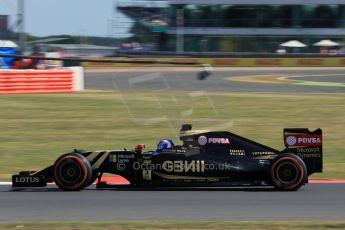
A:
{"x": 41, "y": 81}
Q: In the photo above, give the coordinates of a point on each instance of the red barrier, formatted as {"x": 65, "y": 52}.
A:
{"x": 36, "y": 81}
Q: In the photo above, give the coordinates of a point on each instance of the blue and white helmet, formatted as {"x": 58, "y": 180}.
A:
{"x": 164, "y": 144}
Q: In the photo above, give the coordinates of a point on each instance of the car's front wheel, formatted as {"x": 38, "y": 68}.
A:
{"x": 288, "y": 172}
{"x": 72, "y": 172}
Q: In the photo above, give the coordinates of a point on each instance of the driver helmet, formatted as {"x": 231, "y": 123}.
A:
{"x": 164, "y": 144}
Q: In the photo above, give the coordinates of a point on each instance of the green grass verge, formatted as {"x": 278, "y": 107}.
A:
{"x": 37, "y": 128}
{"x": 179, "y": 224}
{"x": 319, "y": 83}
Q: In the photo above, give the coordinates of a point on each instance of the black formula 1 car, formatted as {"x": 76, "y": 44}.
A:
{"x": 205, "y": 158}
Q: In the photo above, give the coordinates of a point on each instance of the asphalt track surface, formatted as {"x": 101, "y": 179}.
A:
{"x": 174, "y": 79}
{"x": 312, "y": 202}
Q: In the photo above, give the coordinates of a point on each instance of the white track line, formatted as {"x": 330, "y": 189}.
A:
{"x": 5, "y": 183}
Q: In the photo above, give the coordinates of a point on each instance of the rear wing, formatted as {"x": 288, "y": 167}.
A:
{"x": 307, "y": 145}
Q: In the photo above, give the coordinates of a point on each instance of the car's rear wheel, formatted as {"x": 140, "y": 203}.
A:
{"x": 288, "y": 172}
{"x": 72, "y": 172}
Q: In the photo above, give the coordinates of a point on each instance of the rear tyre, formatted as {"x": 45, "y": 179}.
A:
{"x": 72, "y": 172}
{"x": 288, "y": 172}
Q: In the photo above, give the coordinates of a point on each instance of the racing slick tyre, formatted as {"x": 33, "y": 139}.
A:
{"x": 93, "y": 179}
{"x": 288, "y": 172}
{"x": 72, "y": 172}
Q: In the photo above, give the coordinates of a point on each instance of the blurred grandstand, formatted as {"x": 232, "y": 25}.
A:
{"x": 150, "y": 21}
{"x": 257, "y": 25}
{"x": 218, "y": 27}
{"x": 239, "y": 25}
{"x": 152, "y": 14}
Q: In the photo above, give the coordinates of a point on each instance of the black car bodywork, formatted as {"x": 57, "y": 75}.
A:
{"x": 206, "y": 158}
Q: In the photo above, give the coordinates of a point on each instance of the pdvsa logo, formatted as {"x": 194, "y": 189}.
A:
{"x": 309, "y": 140}
{"x": 218, "y": 140}
{"x": 291, "y": 140}
{"x": 304, "y": 140}
{"x": 203, "y": 140}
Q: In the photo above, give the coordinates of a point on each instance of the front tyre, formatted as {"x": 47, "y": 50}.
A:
{"x": 288, "y": 172}
{"x": 72, "y": 172}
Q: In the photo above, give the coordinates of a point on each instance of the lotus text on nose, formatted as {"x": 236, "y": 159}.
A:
{"x": 27, "y": 179}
